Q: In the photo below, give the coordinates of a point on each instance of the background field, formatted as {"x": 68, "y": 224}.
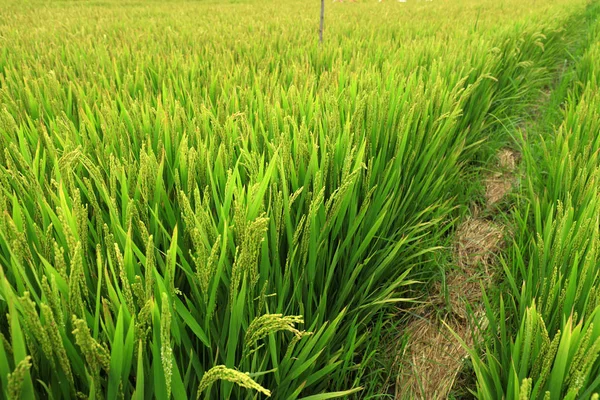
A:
{"x": 197, "y": 199}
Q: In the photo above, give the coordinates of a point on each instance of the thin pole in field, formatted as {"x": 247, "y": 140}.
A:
{"x": 322, "y": 21}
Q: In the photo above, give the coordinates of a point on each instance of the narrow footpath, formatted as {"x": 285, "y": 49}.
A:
{"x": 434, "y": 357}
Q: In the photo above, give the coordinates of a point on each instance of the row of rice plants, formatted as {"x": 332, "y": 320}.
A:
{"x": 547, "y": 341}
{"x": 193, "y": 191}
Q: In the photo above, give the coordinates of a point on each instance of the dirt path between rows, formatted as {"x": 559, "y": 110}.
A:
{"x": 433, "y": 357}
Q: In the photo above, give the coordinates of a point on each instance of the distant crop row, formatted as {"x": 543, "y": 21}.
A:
{"x": 553, "y": 269}
{"x": 190, "y": 192}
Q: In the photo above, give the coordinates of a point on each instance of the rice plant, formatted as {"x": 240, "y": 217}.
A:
{"x": 553, "y": 267}
{"x": 199, "y": 200}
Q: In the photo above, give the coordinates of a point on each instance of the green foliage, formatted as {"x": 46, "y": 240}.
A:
{"x": 197, "y": 199}
{"x": 553, "y": 352}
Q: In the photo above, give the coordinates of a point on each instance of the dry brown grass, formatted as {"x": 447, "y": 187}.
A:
{"x": 433, "y": 357}
{"x": 433, "y": 360}
{"x": 496, "y": 187}
{"x": 499, "y": 183}
{"x": 508, "y": 159}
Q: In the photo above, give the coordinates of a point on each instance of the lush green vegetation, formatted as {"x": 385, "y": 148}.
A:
{"x": 552, "y": 268}
{"x": 199, "y": 200}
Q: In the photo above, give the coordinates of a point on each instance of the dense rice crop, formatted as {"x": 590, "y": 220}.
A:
{"x": 199, "y": 200}
{"x": 554, "y": 354}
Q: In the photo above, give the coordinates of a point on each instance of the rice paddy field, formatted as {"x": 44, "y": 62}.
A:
{"x": 198, "y": 199}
